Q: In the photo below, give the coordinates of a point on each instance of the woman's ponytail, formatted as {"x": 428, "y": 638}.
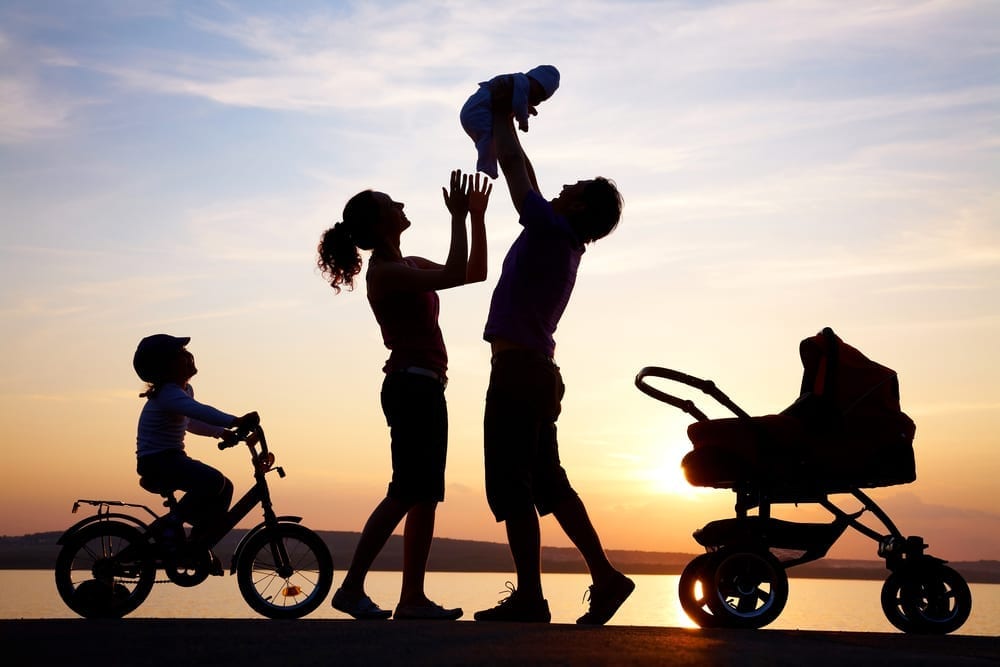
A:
{"x": 339, "y": 259}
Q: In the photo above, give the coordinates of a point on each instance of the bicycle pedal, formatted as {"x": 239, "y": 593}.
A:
{"x": 216, "y": 569}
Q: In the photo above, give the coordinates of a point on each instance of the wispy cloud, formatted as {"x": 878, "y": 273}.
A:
{"x": 28, "y": 108}
{"x": 955, "y": 408}
{"x": 96, "y": 299}
{"x": 349, "y": 58}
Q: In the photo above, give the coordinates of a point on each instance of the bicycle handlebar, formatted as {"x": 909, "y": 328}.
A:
{"x": 248, "y": 426}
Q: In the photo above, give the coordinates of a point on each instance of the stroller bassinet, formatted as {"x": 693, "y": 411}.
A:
{"x": 844, "y": 433}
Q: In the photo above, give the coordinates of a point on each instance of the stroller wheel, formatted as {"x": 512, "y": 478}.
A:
{"x": 693, "y": 590}
{"x": 748, "y": 589}
{"x": 927, "y": 600}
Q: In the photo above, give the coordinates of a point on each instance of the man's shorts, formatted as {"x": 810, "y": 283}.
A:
{"x": 523, "y": 401}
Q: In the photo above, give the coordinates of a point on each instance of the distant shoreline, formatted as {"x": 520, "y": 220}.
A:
{"x": 38, "y": 551}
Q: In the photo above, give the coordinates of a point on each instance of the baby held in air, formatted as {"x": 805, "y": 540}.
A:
{"x": 529, "y": 89}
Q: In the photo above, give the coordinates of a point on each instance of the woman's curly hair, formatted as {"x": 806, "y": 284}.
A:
{"x": 339, "y": 260}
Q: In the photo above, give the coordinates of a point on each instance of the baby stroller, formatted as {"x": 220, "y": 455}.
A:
{"x": 845, "y": 432}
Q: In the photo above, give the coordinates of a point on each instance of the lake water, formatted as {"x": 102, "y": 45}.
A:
{"x": 813, "y": 604}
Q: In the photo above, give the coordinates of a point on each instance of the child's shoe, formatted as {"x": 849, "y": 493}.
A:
{"x": 168, "y": 531}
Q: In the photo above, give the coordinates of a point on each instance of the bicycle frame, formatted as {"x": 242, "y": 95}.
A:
{"x": 259, "y": 493}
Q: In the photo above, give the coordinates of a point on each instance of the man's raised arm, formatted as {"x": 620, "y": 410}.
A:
{"x": 516, "y": 167}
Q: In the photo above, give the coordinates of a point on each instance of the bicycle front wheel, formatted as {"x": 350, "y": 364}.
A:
{"x": 104, "y": 571}
{"x": 285, "y": 572}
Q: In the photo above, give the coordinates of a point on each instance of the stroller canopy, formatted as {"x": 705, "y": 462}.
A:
{"x": 848, "y": 382}
{"x": 839, "y": 382}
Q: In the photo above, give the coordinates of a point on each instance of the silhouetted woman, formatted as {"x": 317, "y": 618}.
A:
{"x": 402, "y": 295}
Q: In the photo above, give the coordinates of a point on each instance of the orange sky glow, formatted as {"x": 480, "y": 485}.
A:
{"x": 785, "y": 167}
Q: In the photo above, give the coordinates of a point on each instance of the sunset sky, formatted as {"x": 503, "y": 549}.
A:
{"x": 786, "y": 165}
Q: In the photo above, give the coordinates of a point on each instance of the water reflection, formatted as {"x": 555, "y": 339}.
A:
{"x": 813, "y": 604}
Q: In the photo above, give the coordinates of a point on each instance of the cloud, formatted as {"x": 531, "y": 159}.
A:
{"x": 955, "y": 407}
{"x": 955, "y": 249}
{"x": 106, "y": 396}
{"x": 394, "y": 55}
{"x": 28, "y": 108}
{"x": 911, "y": 504}
{"x": 95, "y": 299}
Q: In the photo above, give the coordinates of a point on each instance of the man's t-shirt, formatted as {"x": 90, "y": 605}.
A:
{"x": 536, "y": 280}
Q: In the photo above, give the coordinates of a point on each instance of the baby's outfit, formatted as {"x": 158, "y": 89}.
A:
{"x": 477, "y": 113}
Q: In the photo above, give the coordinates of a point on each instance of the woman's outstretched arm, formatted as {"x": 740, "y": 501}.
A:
{"x": 387, "y": 277}
{"x": 479, "y": 199}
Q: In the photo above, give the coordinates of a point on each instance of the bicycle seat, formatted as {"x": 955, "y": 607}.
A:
{"x": 153, "y": 487}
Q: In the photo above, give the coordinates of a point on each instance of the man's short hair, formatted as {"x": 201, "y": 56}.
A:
{"x": 602, "y": 209}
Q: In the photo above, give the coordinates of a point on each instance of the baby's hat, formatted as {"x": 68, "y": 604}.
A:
{"x": 547, "y": 76}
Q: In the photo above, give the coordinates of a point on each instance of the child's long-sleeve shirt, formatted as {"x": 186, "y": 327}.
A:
{"x": 170, "y": 413}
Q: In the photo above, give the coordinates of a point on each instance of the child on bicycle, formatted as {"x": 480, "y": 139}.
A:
{"x": 163, "y": 362}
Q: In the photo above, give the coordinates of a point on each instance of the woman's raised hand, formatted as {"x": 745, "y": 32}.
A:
{"x": 457, "y": 200}
{"x": 479, "y": 195}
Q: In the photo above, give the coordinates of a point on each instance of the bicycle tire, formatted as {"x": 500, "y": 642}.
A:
{"x": 290, "y": 590}
{"x": 103, "y": 571}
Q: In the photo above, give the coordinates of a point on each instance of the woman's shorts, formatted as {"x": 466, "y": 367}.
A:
{"x": 417, "y": 414}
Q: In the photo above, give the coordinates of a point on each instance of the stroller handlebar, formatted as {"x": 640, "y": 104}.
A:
{"x": 688, "y": 406}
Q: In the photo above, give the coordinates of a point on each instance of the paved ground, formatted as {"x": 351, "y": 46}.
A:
{"x": 207, "y": 643}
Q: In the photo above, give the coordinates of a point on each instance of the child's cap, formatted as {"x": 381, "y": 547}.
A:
{"x": 151, "y": 353}
{"x": 547, "y": 76}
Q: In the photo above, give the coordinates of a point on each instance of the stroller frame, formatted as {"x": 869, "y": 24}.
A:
{"x": 740, "y": 581}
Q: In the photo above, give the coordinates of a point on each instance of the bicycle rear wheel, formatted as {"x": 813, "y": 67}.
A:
{"x": 103, "y": 570}
{"x": 285, "y": 572}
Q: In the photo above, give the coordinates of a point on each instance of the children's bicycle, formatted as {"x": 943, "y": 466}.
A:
{"x": 108, "y": 562}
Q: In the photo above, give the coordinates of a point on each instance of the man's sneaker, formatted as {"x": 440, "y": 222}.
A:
{"x": 605, "y": 600}
{"x": 517, "y": 608}
{"x": 425, "y": 612}
{"x": 358, "y": 605}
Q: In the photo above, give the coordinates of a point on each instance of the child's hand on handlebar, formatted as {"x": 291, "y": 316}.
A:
{"x": 239, "y": 430}
{"x": 229, "y": 438}
{"x": 246, "y": 422}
